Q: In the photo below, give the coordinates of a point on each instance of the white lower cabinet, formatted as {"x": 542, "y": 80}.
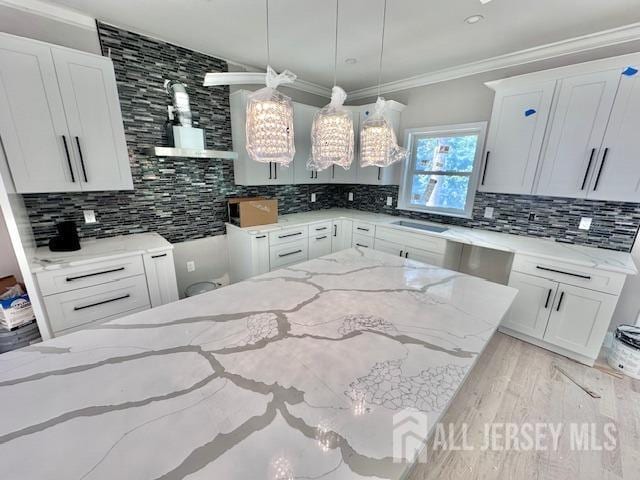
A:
{"x": 161, "y": 278}
{"x": 319, "y": 245}
{"x": 554, "y": 312}
{"x": 342, "y": 235}
{"x": 285, "y": 254}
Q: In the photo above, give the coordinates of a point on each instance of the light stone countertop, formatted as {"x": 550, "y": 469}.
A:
{"x": 303, "y": 368}
{"x": 95, "y": 250}
{"x": 600, "y": 258}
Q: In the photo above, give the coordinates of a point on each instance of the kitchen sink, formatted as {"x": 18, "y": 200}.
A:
{"x": 420, "y": 226}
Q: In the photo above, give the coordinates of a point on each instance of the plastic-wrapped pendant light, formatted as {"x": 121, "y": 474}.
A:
{"x": 270, "y": 121}
{"x": 332, "y": 130}
{"x": 378, "y": 143}
{"x": 332, "y": 134}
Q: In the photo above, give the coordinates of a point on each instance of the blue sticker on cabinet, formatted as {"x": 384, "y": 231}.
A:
{"x": 529, "y": 112}
{"x": 630, "y": 71}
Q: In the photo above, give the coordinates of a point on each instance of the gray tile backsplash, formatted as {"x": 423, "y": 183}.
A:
{"x": 184, "y": 199}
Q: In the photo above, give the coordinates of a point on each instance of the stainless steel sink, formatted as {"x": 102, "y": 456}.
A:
{"x": 420, "y": 226}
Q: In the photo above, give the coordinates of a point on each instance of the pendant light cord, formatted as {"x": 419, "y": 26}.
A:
{"x": 384, "y": 21}
{"x": 268, "y": 45}
{"x": 335, "y": 51}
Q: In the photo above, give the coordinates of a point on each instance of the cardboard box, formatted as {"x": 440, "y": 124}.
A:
{"x": 252, "y": 211}
{"x": 15, "y": 310}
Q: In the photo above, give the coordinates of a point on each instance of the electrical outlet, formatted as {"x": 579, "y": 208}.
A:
{"x": 313, "y": 197}
{"x": 351, "y": 196}
{"x": 585, "y": 223}
{"x": 191, "y": 266}
{"x": 532, "y": 216}
{"x": 488, "y": 212}
{"x": 89, "y": 216}
{"x": 389, "y": 201}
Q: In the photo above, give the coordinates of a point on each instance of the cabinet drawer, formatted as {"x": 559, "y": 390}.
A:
{"x": 320, "y": 245}
{"x": 364, "y": 228}
{"x": 78, "y": 307}
{"x": 415, "y": 240}
{"x": 593, "y": 279}
{"x": 288, "y": 253}
{"x": 67, "y": 279}
{"x": 362, "y": 241}
{"x": 320, "y": 229}
{"x": 288, "y": 235}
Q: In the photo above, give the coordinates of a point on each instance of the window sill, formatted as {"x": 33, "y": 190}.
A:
{"x": 443, "y": 213}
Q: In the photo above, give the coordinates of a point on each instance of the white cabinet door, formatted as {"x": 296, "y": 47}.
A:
{"x": 90, "y": 97}
{"x": 342, "y": 233}
{"x": 161, "y": 278}
{"x": 389, "y": 247}
{"x": 259, "y": 254}
{"x": 580, "y": 319}
{"x": 302, "y": 123}
{"x": 530, "y": 311}
{"x": 424, "y": 256}
{"x": 617, "y": 175}
{"x": 33, "y": 127}
{"x": 576, "y": 132}
{"x": 518, "y": 124}
{"x": 320, "y": 245}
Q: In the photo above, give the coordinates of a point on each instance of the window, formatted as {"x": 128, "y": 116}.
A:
{"x": 441, "y": 174}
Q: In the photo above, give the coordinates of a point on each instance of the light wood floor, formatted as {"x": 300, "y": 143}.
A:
{"x": 514, "y": 381}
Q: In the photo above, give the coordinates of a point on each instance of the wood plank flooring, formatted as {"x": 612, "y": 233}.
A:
{"x": 514, "y": 381}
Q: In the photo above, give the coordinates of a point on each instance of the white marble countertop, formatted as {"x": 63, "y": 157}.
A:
{"x": 96, "y": 250}
{"x": 600, "y": 258}
{"x": 303, "y": 368}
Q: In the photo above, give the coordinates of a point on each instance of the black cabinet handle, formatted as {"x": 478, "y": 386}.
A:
{"x": 560, "y": 301}
{"x": 546, "y": 269}
{"x": 333, "y": 171}
{"x": 604, "y": 159}
{"x": 159, "y": 256}
{"x": 71, "y": 279}
{"x": 316, "y": 174}
{"x": 261, "y": 236}
{"x": 311, "y": 174}
{"x": 290, "y": 235}
{"x": 101, "y": 303}
{"x": 290, "y": 253}
{"x": 270, "y": 175}
{"x": 400, "y": 252}
{"x": 335, "y": 230}
{"x": 320, "y": 229}
{"x": 546, "y": 304}
{"x": 84, "y": 170}
{"x": 406, "y": 254}
{"x": 486, "y": 162}
{"x": 66, "y": 150}
{"x": 321, "y": 238}
{"x": 379, "y": 173}
{"x": 360, "y": 245}
{"x": 586, "y": 174}
{"x": 275, "y": 171}
{"x": 363, "y": 229}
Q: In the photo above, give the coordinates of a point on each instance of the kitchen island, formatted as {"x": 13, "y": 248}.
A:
{"x": 297, "y": 373}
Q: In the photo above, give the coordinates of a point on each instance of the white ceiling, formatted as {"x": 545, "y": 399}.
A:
{"x": 422, "y": 35}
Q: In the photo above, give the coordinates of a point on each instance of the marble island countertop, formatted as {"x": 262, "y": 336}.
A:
{"x": 577, "y": 254}
{"x": 94, "y": 250}
{"x": 298, "y": 371}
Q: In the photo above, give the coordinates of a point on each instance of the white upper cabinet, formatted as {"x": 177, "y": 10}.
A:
{"x": 33, "y": 127}
{"x": 616, "y": 176}
{"x": 576, "y": 130}
{"x": 515, "y": 137}
{"x": 60, "y": 119}
{"x": 90, "y": 98}
{"x": 302, "y": 123}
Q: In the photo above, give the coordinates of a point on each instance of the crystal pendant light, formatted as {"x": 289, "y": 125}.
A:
{"x": 269, "y": 124}
{"x": 378, "y": 143}
{"x": 332, "y": 135}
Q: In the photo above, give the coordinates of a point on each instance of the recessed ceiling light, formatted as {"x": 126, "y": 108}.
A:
{"x": 351, "y": 61}
{"x": 473, "y": 19}
{"x": 484, "y": 2}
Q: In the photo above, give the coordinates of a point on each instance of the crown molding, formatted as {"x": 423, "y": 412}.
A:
{"x": 54, "y": 12}
{"x": 605, "y": 38}
{"x": 310, "y": 87}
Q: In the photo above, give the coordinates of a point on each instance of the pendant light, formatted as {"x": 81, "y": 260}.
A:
{"x": 332, "y": 128}
{"x": 378, "y": 143}
{"x": 270, "y": 117}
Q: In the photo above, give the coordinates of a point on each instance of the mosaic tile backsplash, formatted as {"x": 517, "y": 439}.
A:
{"x": 185, "y": 199}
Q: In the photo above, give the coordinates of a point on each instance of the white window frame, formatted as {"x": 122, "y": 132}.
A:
{"x": 477, "y": 128}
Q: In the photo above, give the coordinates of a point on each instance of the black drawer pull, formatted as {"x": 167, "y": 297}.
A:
{"x": 159, "y": 256}
{"x": 335, "y": 230}
{"x": 546, "y": 304}
{"x": 401, "y": 252}
{"x": 586, "y": 277}
{"x": 290, "y": 253}
{"x": 84, "y": 170}
{"x": 604, "y": 159}
{"x": 71, "y": 279}
{"x": 261, "y": 236}
{"x": 102, "y": 303}
{"x": 560, "y": 301}
{"x": 321, "y": 238}
{"x": 66, "y": 151}
{"x": 363, "y": 229}
{"x": 486, "y": 163}
{"x": 360, "y": 245}
{"x": 290, "y": 235}
{"x": 321, "y": 228}
{"x": 586, "y": 174}
{"x": 406, "y": 254}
